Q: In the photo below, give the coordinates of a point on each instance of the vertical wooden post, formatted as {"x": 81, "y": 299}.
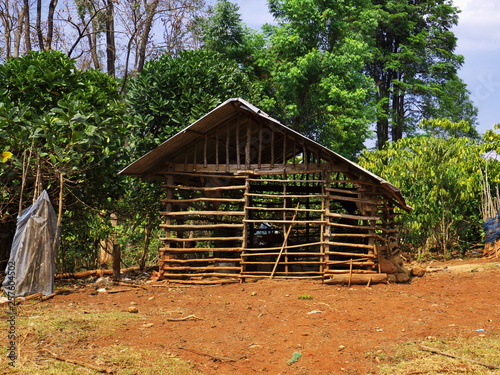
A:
{"x": 205, "y": 144}
{"x": 248, "y": 158}
{"x": 116, "y": 261}
{"x": 227, "y": 148}
{"x": 217, "y": 148}
{"x": 238, "y": 160}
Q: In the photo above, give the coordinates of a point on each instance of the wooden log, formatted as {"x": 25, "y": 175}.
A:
{"x": 356, "y": 278}
{"x": 279, "y": 247}
{"x": 353, "y": 217}
{"x": 205, "y": 188}
{"x": 84, "y": 274}
{"x": 203, "y": 213}
{"x": 186, "y": 227}
{"x": 203, "y": 199}
{"x": 346, "y": 254}
{"x": 175, "y": 250}
{"x": 353, "y": 271}
{"x": 301, "y": 222}
{"x": 174, "y": 239}
{"x": 281, "y": 196}
{"x": 349, "y": 244}
{"x": 201, "y": 260}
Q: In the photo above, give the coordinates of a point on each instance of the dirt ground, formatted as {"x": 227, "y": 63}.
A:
{"x": 298, "y": 327}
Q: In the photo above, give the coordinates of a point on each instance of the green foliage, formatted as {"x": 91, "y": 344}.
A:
{"x": 314, "y": 70}
{"x": 57, "y": 119}
{"x": 415, "y": 68}
{"x": 172, "y": 92}
{"x": 441, "y": 179}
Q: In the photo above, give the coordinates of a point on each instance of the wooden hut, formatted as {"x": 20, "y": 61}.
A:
{"x": 247, "y": 197}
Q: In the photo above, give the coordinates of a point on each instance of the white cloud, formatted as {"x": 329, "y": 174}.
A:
{"x": 478, "y": 29}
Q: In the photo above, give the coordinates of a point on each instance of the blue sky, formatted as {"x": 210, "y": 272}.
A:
{"x": 478, "y": 34}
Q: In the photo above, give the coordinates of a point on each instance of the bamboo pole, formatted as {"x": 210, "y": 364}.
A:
{"x": 284, "y": 241}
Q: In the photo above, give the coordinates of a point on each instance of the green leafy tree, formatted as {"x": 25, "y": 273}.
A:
{"x": 415, "y": 68}
{"x": 313, "y": 68}
{"x": 64, "y": 127}
{"x": 172, "y": 92}
{"x": 440, "y": 175}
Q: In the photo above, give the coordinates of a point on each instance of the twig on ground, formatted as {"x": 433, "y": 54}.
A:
{"x": 189, "y": 317}
{"x": 80, "y": 363}
{"x": 437, "y": 351}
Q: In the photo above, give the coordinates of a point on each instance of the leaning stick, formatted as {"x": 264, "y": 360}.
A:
{"x": 437, "y": 351}
{"x": 79, "y": 363}
{"x": 284, "y": 240}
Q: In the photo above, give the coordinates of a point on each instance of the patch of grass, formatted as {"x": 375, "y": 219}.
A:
{"x": 305, "y": 296}
{"x": 70, "y": 332}
{"x": 121, "y": 360}
{"x": 411, "y": 359}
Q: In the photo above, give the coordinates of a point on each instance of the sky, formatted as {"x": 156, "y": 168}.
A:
{"x": 478, "y": 34}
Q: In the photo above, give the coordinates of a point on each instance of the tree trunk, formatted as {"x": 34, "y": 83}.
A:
{"x": 110, "y": 38}
{"x": 116, "y": 261}
{"x": 38, "y": 26}
{"x": 50, "y": 24}
{"x": 27, "y": 26}
{"x": 150, "y": 11}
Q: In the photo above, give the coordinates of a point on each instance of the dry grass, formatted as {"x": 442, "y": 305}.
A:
{"x": 410, "y": 359}
{"x": 70, "y": 334}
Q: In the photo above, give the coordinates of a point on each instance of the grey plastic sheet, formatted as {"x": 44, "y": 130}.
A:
{"x": 33, "y": 254}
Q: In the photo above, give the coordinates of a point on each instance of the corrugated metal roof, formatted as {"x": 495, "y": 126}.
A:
{"x": 232, "y": 108}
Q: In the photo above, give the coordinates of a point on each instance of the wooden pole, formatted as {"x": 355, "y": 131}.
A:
{"x": 284, "y": 241}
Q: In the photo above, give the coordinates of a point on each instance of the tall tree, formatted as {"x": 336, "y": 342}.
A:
{"x": 65, "y": 128}
{"x": 315, "y": 62}
{"x": 172, "y": 92}
{"x": 414, "y": 66}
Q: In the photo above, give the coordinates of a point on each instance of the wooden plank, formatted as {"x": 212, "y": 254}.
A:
{"x": 205, "y": 188}
{"x": 210, "y": 268}
{"x": 174, "y": 239}
{"x": 193, "y": 200}
{"x": 352, "y": 199}
{"x": 276, "y": 209}
{"x": 267, "y": 253}
{"x": 286, "y": 181}
{"x": 203, "y": 213}
{"x": 176, "y": 250}
{"x": 281, "y": 196}
{"x": 199, "y": 226}
{"x": 349, "y": 244}
{"x": 345, "y": 271}
{"x": 302, "y": 222}
{"x": 354, "y": 217}
{"x": 279, "y": 247}
{"x": 346, "y": 254}
{"x": 201, "y": 260}
{"x": 167, "y": 275}
{"x": 252, "y": 169}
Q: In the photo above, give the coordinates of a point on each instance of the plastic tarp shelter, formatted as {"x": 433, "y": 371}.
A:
{"x": 33, "y": 252}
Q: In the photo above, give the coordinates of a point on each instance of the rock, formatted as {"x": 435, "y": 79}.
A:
{"x": 133, "y": 310}
{"x": 386, "y": 266}
{"x": 418, "y": 271}
{"x": 402, "y": 277}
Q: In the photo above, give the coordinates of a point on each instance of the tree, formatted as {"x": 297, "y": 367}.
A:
{"x": 439, "y": 173}
{"x": 314, "y": 67}
{"x": 66, "y": 131}
{"x": 120, "y": 36}
{"x": 172, "y": 92}
{"x": 414, "y": 67}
